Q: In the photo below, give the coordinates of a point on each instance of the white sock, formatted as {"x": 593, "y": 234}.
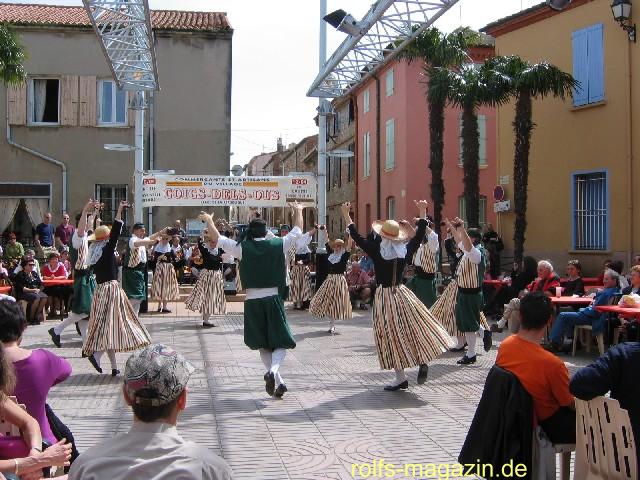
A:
{"x": 112, "y": 358}
{"x": 265, "y": 356}
{"x": 277, "y": 357}
{"x": 83, "y": 325}
{"x": 164, "y": 305}
{"x": 98, "y": 356}
{"x": 502, "y": 322}
{"x": 460, "y": 342}
{"x": 471, "y": 342}
{"x": 481, "y": 331}
{"x": 332, "y": 323}
{"x": 72, "y": 318}
{"x": 400, "y": 376}
{"x": 136, "y": 306}
{"x": 279, "y": 379}
{"x": 206, "y": 317}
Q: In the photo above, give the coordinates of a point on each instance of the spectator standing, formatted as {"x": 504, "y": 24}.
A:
{"x": 178, "y": 230}
{"x": 155, "y": 381}
{"x": 44, "y": 235}
{"x": 541, "y": 373}
{"x": 617, "y": 372}
{"x": 64, "y": 232}
{"x": 493, "y": 244}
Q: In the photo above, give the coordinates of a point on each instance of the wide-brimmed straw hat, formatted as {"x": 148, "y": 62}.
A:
{"x": 100, "y": 233}
{"x": 338, "y": 242}
{"x": 392, "y": 230}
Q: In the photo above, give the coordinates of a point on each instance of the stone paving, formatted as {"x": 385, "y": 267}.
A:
{"x": 334, "y": 415}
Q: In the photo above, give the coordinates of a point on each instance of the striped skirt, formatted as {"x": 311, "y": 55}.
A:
{"x": 208, "y": 295}
{"x": 300, "y": 287}
{"x": 165, "y": 283}
{"x": 113, "y": 324}
{"x": 332, "y": 300}
{"x": 405, "y": 331}
{"x": 445, "y": 311}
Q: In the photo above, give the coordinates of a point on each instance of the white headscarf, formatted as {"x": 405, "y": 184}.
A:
{"x": 336, "y": 256}
{"x": 95, "y": 252}
{"x": 390, "y": 250}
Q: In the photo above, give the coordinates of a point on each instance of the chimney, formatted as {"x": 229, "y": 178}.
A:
{"x": 280, "y": 147}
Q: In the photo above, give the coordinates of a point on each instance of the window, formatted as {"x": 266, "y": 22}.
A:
{"x": 352, "y": 113}
{"x": 588, "y": 64}
{"x": 366, "y": 145}
{"x": 389, "y": 82}
{"x": 390, "y": 157}
{"x": 111, "y": 195}
{"x": 337, "y": 172}
{"x": 112, "y": 107}
{"x": 590, "y": 211}
{"x": 44, "y": 101}
{"x": 391, "y": 208}
{"x": 482, "y": 138}
{"x": 336, "y": 123}
{"x": 462, "y": 208}
{"x": 365, "y": 100}
{"x": 351, "y": 166}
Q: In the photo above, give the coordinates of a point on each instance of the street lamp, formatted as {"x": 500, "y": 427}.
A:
{"x": 343, "y": 22}
{"x": 621, "y": 10}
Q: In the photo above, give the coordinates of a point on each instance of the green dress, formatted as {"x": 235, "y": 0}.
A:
{"x": 133, "y": 282}
{"x": 423, "y": 283}
{"x": 470, "y": 301}
{"x": 84, "y": 282}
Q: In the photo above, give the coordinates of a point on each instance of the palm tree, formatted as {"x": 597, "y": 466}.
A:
{"x": 469, "y": 88}
{"x": 438, "y": 50}
{"x": 12, "y": 57}
{"x": 526, "y": 82}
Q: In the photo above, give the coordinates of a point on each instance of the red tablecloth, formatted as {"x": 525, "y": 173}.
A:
{"x": 572, "y": 301}
{"x": 5, "y": 290}
{"x": 622, "y": 311}
{"x": 495, "y": 283}
{"x": 53, "y": 283}
{"x": 588, "y": 281}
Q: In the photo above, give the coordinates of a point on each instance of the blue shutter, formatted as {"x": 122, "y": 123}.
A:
{"x": 595, "y": 49}
{"x": 580, "y": 67}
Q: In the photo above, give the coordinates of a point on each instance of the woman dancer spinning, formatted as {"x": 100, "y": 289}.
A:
{"x": 164, "y": 287}
{"x": 406, "y": 334}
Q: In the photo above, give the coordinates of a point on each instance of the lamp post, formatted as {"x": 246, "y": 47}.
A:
{"x": 322, "y": 137}
{"x": 621, "y": 10}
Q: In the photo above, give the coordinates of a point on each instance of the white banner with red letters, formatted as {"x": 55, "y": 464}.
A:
{"x": 210, "y": 190}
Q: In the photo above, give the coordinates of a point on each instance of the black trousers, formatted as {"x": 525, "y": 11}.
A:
{"x": 561, "y": 426}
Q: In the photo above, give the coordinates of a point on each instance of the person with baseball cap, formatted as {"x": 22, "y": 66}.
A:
{"x": 155, "y": 387}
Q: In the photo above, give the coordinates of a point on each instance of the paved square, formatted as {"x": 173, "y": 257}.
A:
{"x": 334, "y": 415}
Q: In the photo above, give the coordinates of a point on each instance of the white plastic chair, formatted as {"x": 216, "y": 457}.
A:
{"x": 605, "y": 447}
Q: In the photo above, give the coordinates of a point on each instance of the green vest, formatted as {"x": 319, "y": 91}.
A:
{"x": 263, "y": 264}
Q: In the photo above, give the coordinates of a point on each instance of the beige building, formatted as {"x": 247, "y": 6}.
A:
{"x": 53, "y": 156}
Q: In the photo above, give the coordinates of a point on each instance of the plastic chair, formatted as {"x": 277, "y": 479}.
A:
{"x": 605, "y": 447}
{"x": 586, "y": 328}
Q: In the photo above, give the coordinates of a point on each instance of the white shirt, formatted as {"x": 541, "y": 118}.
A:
{"x": 234, "y": 248}
{"x": 474, "y": 254}
{"x": 77, "y": 241}
{"x": 302, "y": 244}
{"x": 160, "y": 248}
{"x": 143, "y": 250}
{"x": 432, "y": 243}
{"x": 149, "y": 451}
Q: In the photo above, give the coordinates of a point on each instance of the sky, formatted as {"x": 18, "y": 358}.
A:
{"x": 275, "y": 59}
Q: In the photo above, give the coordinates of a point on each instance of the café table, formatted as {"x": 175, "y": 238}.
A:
{"x": 627, "y": 312}
{"x": 570, "y": 302}
{"x": 5, "y": 290}
{"x": 56, "y": 282}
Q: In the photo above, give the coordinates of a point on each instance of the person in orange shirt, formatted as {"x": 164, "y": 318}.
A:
{"x": 541, "y": 373}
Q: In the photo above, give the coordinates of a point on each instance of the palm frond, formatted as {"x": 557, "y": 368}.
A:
{"x": 12, "y": 57}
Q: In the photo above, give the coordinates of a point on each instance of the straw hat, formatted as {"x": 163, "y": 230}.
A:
{"x": 101, "y": 233}
{"x": 338, "y": 242}
{"x": 392, "y": 230}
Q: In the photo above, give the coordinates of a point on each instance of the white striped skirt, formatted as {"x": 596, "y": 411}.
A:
{"x": 165, "y": 283}
{"x": 300, "y": 288}
{"x": 332, "y": 299}
{"x": 445, "y": 311}
{"x": 208, "y": 295}
{"x": 405, "y": 331}
{"x": 113, "y": 324}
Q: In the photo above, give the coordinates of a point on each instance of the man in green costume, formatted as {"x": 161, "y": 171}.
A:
{"x": 263, "y": 271}
{"x": 425, "y": 262}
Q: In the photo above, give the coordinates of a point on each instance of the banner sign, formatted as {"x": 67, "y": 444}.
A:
{"x": 209, "y": 190}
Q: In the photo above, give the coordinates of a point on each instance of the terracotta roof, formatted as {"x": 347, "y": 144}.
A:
{"x": 54, "y": 15}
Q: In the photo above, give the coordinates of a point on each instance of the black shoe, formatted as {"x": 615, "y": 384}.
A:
{"x": 166, "y": 310}
{"x": 55, "y": 338}
{"x": 466, "y": 360}
{"x": 487, "y": 340}
{"x": 458, "y": 349}
{"x": 280, "y": 391}
{"x": 394, "y": 388}
{"x": 269, "y": 383}
{"x": 556, "y": 348}
{"x": 94, "y": 363}
{"x": 83, "y": 355}
{"x": 115, "y": 372}
{"x": 423, "y": 373}
{"x": 78, "y": 329}
{"x": 332, "y": 331}
{"x": 207, "y": 325}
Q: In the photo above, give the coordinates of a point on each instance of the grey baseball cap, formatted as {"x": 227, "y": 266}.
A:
{"x": 158, "y": 371}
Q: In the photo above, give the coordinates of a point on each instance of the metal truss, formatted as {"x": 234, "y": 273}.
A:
{"x": 385, "y": 30}
{"x": 124, "y": 30}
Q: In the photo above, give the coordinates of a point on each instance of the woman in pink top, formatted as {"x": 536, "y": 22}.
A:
{"x": 36, "y": 370}
{"x": 55, "y": 270}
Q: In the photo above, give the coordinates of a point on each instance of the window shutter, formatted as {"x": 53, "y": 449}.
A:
{"x": 580, "y": 67}
{"x": 482, "y": 136}
{"x": 595, "y": 50}
{"x": 460, "y": 140}
{"x": 69, "y": 101}
{"x": 88, "y": 101}
{"x": 17, "y": 104}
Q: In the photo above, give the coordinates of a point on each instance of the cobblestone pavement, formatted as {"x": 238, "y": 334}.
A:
{"x": 334, "y": 415}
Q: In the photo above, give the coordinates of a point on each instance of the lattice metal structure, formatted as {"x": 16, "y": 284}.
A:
{"x": 124, "y": 30}
{"x": 385, "y": 30}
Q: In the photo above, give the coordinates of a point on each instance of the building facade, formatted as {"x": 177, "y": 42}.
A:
{"x": 392, "y": 145}
{"x": 59, "y": 121}
{"x": 583, "y": 168}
